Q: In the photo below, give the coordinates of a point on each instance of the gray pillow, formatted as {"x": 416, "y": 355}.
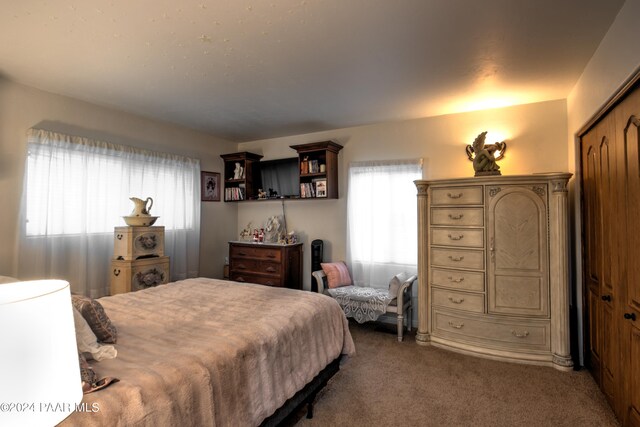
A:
{"x": 396, "y": 282}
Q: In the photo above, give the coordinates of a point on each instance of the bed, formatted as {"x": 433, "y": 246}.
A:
{"x": 217, "y": 353}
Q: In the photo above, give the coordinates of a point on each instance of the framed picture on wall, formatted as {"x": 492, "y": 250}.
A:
{"x": 210, "y": 186}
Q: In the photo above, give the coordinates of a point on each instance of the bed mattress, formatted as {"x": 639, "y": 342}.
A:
{"x": 212, "y": 352}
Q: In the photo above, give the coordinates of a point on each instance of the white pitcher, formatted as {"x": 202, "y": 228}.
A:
{"x": 140, "y": 206}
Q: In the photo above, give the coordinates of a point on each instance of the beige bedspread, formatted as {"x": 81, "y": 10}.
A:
{"x": 205, "y": 352}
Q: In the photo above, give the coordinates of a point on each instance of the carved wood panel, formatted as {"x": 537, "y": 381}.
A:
{"x": 518, "y": 261}
{"x": 632, "y": 154}
{"x": 591, "y": 227}
{"x": 610, "y": 359}
{"x": 633, "y": 415}
{"x": 594, "y": 332}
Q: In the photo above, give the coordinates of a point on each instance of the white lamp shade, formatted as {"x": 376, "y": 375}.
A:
{"x": 39, "y": 371}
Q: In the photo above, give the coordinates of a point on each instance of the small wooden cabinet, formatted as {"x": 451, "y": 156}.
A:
{"x": 131, "y": 243}
{"x": 245, "y": 186}
{"x": 138, "y": 259}
{"x": 493, "y": 267}
{"x": 318, "y": 164}
{"x": 129, "y": 276}
{"x": 266, "y": 264}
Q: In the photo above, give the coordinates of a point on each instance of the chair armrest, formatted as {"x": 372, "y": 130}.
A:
{"x": 319, "y": 278}
{"x": 406, "y": 286}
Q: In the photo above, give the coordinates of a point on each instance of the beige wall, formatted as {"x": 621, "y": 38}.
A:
{"x": 616, "y": 59}
{"x": 536, "y": 135}
{"x": 22, "y": 107}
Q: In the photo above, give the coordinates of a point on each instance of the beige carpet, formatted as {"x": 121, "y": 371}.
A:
{"x": 391, "y": 384}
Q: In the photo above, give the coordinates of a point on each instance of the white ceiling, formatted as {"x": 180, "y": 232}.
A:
{"x": 246, "y": 70}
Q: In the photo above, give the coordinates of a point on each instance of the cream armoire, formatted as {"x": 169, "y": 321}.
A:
{"x": 493, "y": 267}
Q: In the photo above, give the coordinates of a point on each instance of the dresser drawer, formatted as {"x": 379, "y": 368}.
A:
{"x": 457, "y": 196}
{"x": 458, "y": 279}
{"x": 509, "y": 334}
{"x": 459, "y": 237}
{"x": 241, "y": 265}
{"x": 458, "y": 300}
{"x": 131, "y": 243}
{"x": 258, "y": 252}
{"x": 455, "y": 258}
{"x": 260, "y": 280}
{"x": 458, "y": 216}
{"x": 128, "y": 276}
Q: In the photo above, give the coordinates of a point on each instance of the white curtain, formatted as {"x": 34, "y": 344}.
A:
{"x": 382, "y": 220}
{"x": 76, "y": 190}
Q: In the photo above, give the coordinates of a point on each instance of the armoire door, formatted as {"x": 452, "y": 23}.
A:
{"x": 518, "y": 279}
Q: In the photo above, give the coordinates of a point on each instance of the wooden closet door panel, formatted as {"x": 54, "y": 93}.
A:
{"x": 633, "y": 415}
{"x": 629, "y": 314}
{"x": 518, "y": 261}
{"x": 632, "y": 169}
{"x": 594, "y": 360}
{"x": 591, "y": 237}
{"x": 601, "y": 263}
{"x": 609, "y": 230}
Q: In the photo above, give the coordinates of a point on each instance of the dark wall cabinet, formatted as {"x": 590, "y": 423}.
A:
{"x": 317, "y": 178}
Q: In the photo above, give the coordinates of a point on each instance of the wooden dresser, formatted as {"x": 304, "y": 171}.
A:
{"x": 493, "y": 267}
{"x": 138, "y": 259}
{"x": 266, "y": 264}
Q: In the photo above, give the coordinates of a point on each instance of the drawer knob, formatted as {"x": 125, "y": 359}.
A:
{"x": 119, "y": 236}
{"x": 456, "y": 217}
{"x": 242, "y": 253}
{"x": 456, "y": 325}
{"x": 271, "y": 256}
{"x": 630, "y": 316}
{"x": 240, "y": 279}
{"x": 269, "y": 283}
{"x": 606, "y": 297}
{"x": 242, "y": 267}
{"x": 519, "y": 334}
{"x": 457, "y": 280}
{"x": 270, "y": 269}
{"x": 456, "y": 258}
{"x": 454, "y": 196}
{"x": 456, "y": 236}
{"x": 116, "y": 272}
{"x": 456, "y": 300}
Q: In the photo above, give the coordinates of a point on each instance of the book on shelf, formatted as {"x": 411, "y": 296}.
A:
{"x": 314, "y": 167}
{"x": 234, "y": 193}
{"x": 307, "y": 190}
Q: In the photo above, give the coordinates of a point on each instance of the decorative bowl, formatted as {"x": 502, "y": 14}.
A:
{"x": 140, "y": 221}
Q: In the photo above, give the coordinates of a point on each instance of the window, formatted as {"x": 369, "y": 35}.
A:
{"x": 382, "y": 220}
{"x": 75, "y": 185}
{"x": 77, "y": 190}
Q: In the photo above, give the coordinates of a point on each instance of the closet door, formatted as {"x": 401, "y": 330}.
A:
{"x": 518, "y": 259}
{"x": 629, "y": 111}
{"x": 611, "y": 254}
{"x": 602, "y": 229}
{"x": 591, "y": 253}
